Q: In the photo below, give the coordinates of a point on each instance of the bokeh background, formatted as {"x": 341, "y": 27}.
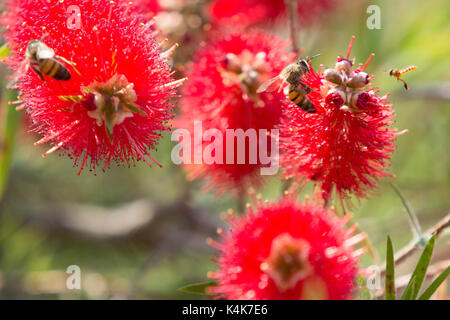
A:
{"x": 140, "y": 232}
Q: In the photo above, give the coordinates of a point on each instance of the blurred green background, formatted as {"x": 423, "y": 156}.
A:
{"x": 140, "y": 232}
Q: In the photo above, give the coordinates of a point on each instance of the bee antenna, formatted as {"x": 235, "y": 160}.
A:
{"x": 314, "y": 56}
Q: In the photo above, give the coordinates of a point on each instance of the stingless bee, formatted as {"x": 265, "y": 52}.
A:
{"x": 42, "y": 60}
{"x": 397, "y": 73}
{"x": 295, "y": 90}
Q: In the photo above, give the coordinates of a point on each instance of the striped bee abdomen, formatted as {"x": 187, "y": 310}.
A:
{"x": 54, "y": 69}
{"x": 300, "y": 99}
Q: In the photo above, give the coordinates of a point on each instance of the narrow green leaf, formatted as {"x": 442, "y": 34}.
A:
{"x": 414, "y": 222}
{"x": 407, "y": 294}
{"x": 4, "y": 51}
{"x": 421, "y": 267}
{"x": 435, "y": 285}
{"x": 10, "y": 118}
{"x": 390, "y": 272}
{"x": 199, "y": 288}
{"x": 363, "y": 292}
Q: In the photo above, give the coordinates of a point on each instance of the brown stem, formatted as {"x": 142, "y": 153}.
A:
{"x": 292, "y": 9}
{"x": 412, "y": 247}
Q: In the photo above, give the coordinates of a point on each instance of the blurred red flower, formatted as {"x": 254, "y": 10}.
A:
{"x": 346, "y": 146}
{"x": 148, "y": 8}
{"x": 221, "y": 92}
{"x": 116, "y": 102}
{"x": 287, "y": 250}
{"x": 251, "y": 12}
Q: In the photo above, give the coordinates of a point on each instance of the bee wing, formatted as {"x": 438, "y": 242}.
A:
{"x": 45, "y": 52}
{"x": 271, "y": 85}
{"x": 23, "y": 68}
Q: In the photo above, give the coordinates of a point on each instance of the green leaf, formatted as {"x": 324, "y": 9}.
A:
{"x": 414, "y": 222}
{"x": 435, "y": 285}
{"x": 364, "y": 293}
{"x": 390, "y": 272}
{"x": 4, "y": 51}
{"x": 199, "y": 288}
{"x": 10, "y": 119}
{"x": 421, "y": 268}
{"x": 407, "y": 294}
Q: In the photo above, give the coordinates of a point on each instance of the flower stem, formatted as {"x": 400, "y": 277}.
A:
{"x": 292, "y": 9}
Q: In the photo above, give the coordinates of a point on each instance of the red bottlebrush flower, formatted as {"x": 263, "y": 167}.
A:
{"x": 221, "y": 92}
{"x": 346, "y": 146}
{"x": 149, "y": 8}
{"x": 116, "y": 102}
{"x": 225, "y": 12}
{"x": 287, "y": 250}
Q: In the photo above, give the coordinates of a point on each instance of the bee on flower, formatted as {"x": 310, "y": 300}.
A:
{"x": 222, "y": 93}
{"x": 117, "y": 95}
{"x": 346, "y": 146}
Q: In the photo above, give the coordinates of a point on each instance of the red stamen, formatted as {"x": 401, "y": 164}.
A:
{"x": 139, "y": 151}
{"x": 350, "y": 47}
{"x": 368, "y": 61}
{"x": 162, "y": 43}
{"x": 83, "y": 163}
{"x": 53, "y": 149}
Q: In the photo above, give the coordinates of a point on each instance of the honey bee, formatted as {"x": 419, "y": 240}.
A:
{"x": 42, "y": 60}
{"x": 296, "y": 90}
{"x": 397, "y": 73}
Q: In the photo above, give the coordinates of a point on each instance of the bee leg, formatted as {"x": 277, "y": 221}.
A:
{"x": 308, "y": 90}
{"x": 404, "y": 84}
{"x": 65, "y": 60}
{"x": 305, "y": 87}
{"x": 38, "y": 72}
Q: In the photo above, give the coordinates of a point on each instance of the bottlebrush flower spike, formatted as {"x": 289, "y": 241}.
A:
{"x": 117, "y": 100}
{"x": 252, "y": 12}
{"x": 221, "y": 92}
{"x": 148, "y": 8}
{"x": 346, "y": 146}
{"x": 286, "y": 250}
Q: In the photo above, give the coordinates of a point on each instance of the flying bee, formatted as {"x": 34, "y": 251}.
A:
{"x": 296, "y": 91}
{"x": 42, "y": 60}
{"x": 397, "y": 73}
